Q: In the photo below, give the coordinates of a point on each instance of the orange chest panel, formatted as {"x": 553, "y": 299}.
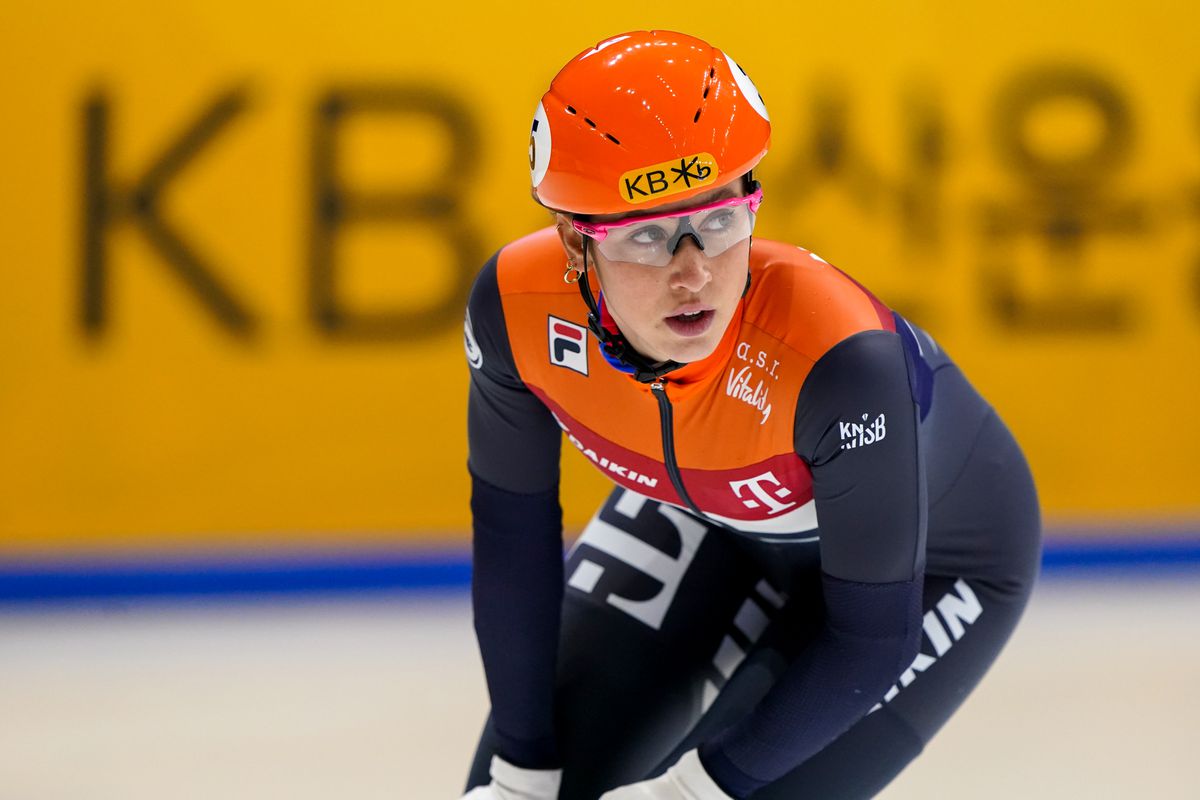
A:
{"x": 732, "y": 415}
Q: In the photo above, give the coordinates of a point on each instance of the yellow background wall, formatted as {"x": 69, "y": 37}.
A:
{"x": 235, "y": 239}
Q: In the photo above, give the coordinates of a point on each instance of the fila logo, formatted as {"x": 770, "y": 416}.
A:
{"x": 568, "y": 345}
{"x": 760, "y": 495}
{"x": 861, "y": 434}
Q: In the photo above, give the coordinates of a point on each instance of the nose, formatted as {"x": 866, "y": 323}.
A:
{"x": 689, "y": 266}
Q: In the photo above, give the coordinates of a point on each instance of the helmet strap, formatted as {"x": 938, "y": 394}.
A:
{"x": 614, "y": 343}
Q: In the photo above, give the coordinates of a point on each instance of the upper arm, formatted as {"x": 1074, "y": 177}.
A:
{"x": 856, "y": 427}
{"x": 513, "y": 439}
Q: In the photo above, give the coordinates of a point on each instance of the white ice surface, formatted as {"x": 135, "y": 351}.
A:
{"x": 382, "y": 697}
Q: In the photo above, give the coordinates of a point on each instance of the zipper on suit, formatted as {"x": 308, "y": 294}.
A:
{"x": 667, "y": 420}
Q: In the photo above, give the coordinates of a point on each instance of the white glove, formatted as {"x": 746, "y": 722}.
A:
{"x": 515, "y": 783}
{"x": 687, "y": 780}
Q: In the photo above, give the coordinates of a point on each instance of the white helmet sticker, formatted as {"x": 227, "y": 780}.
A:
{"x": 539, "y": 146}
{"x": 747, "y": 88}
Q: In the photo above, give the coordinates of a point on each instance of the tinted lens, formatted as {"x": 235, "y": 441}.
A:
{"x": 722, "y": 228}
{"x": 651, "y": 242}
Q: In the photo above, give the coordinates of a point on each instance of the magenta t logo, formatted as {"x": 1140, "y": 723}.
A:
{"x": 760, "y": 495}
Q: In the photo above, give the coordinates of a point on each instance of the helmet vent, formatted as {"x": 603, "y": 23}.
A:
{"x": 574, "y": 111}
{"x": 697, "y": 117}
{"x": 705, "y": 96}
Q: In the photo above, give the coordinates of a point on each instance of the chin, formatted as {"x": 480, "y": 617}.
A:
{"x": 686, "y": 352}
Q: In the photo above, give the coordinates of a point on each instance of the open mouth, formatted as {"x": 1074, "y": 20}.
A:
{"x": 691, "y": 324}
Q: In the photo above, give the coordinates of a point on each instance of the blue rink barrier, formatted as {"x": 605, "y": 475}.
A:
{"x": 216, "y": 576}
{"x": 1071, "y": 556}
{"x": 448, "y": 570}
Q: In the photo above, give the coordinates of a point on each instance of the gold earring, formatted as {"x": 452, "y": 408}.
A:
{"x": 573, "y": 273}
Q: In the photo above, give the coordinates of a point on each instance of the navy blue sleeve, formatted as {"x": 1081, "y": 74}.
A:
{"x": 514, "y": 441}
{"x": 516, "y": 594}
{"x": 517, "y": 578}
{"x": 856, "y": 428}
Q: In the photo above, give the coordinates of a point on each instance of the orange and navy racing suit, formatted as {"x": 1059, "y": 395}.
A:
{"x": 819, "y": 539}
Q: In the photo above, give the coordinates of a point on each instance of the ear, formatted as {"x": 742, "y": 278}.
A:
{"x": 572, "y": 240}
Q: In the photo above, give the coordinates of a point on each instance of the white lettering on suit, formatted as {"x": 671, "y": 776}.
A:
{"x": 633, "y": 551}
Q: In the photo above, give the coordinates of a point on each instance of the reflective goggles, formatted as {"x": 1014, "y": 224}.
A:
{"x": 653, "y": 239}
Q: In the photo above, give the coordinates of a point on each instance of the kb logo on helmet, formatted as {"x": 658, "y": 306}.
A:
{"x": 669, "y": 177}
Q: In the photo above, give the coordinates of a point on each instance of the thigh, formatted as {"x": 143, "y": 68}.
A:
{"x": 965, "y": 625}
{"x": 652, "y": 616}
{"x": 969, "y": 615}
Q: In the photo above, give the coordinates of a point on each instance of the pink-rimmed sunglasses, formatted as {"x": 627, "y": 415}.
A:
{"x": 653, "y": 239}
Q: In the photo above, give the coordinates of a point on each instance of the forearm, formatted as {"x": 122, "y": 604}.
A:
{"x": 516, "y": 591}
{"x": 871, "y": 635}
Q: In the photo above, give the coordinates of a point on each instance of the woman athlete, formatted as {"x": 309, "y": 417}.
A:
{"x": 820, "y": 537}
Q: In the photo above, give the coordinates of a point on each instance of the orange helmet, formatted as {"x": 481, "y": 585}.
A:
{"x": 644, "y": 118}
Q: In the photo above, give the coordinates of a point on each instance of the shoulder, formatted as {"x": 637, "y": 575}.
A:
{"x": 806, "y": 302}
{"x": 519, "y": 297}
{"x": 531, "y": 265}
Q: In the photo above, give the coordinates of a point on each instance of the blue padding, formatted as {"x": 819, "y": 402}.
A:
{"x": 1070, "y": 555}
{"x": 409, "y": 570}
{"x": 209, "y": 576}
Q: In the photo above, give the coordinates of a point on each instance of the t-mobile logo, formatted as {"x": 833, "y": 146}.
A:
{"x": 761, "y": 495}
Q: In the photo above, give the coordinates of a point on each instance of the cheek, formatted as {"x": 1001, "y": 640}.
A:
{"x": 622, "y": 294}
{"x": 629, "y": 290}
{"x": 731, "y": 271}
